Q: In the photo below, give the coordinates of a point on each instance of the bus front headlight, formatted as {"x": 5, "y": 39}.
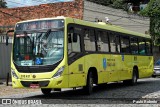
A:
{"x": 59, "y": 72}
{"x": 14, "y": 74}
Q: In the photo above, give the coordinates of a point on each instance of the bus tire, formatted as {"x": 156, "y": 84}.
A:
{"x": 134, "y": 79}
{"x": 154, "y": 76}
{"x": 89, "y": 87}
{"x": 46, "y": 91}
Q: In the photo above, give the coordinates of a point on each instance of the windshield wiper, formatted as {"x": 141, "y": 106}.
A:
{"x": 39, "y": 35}
{"x": 47, "y": 33}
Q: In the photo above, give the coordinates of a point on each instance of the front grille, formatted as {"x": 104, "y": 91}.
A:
{"x": 41, "y": 83}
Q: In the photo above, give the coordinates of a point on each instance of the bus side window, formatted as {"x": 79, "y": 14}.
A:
{"x": 125, "y": 47}
{"x": 114, "y": 42}
{"x": 148, "y": 47}
{"x": 89, "y": 40}
{"x": 134, "y": 45}
{"x": 74, "y": 40}
{"x": 142, "y": 46}
{"x": 117, "y": 44}
{"x": 102, "y": 42}
{"x": 74, "y": 46}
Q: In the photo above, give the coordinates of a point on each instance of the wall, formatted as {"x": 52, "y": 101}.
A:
{"x": 116, "y": 16}
{"x": 5, "y": 55}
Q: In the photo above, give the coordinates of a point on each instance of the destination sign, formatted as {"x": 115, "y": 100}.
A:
{"x": 38, "y": 25}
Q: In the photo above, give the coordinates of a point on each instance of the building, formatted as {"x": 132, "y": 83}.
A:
{"x": 80, "y": 9}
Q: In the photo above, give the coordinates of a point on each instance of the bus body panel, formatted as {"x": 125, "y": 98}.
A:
{"x": 116, "y": 69}
{"x": 77, "y": 75}
{"x": 61, "y": 82}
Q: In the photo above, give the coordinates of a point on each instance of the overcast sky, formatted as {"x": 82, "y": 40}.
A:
{"x": 23, "y": 3}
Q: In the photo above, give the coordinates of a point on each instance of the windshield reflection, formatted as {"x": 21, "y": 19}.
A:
{"x": 38, "y": 48}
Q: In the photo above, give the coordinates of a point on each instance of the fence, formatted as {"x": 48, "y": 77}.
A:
{"x": 5, "y": 56}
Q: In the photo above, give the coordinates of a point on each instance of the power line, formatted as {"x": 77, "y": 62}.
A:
{"x": 7, "y": 26}
{"x": 111, "y": 10}
{"x": 16, "y": 3}
{"x": 46, "y": 2}
{"x": 38, "y": 1}
{"x": 135, "y": 21}
{"x": 55, "y": 1}
{"x": 117, "y": 19}
{"x": 109, "y": 13}
{"x": 11, "y": 15}
{"x": 147, "y": 25}
{"x": 112, "y": 15}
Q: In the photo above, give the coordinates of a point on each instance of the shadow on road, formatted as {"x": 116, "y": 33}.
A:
{"x": 114, "y": 90}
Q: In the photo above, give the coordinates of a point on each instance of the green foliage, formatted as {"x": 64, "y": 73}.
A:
{"x": 153, "y": 11}
{"x": 154, "y": 8}
{"x": 144, "y": 12}
{"x": 119, "y": 4}
{"x": 3, "y": 4}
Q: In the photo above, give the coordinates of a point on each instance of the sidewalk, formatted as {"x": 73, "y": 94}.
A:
{"x": 3, "y": 82}
{"x": 9, "y": 90}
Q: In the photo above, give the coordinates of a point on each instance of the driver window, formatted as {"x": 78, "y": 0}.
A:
{"x": 74, "y": 46}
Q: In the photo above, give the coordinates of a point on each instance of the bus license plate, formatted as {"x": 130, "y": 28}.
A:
{"x": 34, "y": 86}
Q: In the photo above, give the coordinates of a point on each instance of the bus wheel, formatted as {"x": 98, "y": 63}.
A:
{"x": 134, "y": 77}
{"x": 132, "y": 81}
{"x": 89, "y": 86}
{"x": 46, "y": 91}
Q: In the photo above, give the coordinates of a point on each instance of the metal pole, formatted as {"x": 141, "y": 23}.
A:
{"x": 7, "y": 79}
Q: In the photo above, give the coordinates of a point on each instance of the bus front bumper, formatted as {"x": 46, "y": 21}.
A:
{"x": 59, "y": 82}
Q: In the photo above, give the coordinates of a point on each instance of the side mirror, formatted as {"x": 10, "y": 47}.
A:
{"x": 75, "y": 37}
{"x": 9, "y": 31}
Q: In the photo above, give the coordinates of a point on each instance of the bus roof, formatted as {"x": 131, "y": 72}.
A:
{"x": 110, "y": 27}
{"x": 100, "y": 25}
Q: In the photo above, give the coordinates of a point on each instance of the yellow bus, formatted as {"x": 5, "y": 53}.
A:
{"x": 63, "y": 52}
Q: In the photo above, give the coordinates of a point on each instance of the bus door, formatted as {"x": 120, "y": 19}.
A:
{"x": 75, "y": 58}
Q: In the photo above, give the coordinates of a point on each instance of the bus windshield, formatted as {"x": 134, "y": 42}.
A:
{"x": 38, "y": 48}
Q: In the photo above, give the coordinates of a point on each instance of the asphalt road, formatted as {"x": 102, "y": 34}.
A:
{"x": 146, "y": 91}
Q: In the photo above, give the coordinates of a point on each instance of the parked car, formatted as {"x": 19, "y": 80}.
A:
{"x": 156, "y": 69}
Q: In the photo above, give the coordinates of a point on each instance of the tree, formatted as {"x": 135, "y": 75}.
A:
{"x": 153, "y": 11}
{"x": 3, "y": 4}
{"x": 119, "y": 4}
